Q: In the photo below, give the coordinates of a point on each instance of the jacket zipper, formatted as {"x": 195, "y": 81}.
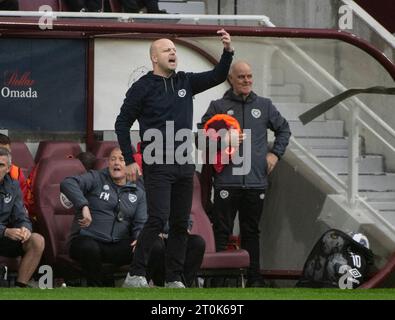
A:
{"x": 115, "y": 215}
{"x": 242, "y": 127}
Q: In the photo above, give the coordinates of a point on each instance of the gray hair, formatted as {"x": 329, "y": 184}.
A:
{"x": 4, "y": 152}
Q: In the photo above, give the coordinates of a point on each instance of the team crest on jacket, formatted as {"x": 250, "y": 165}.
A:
{"x": 132, "y": 198}
{"x": 182, "y": 93}
{"x": 65, "y": 201}
{"x": 256, "y": 113}
{"x": 230, "y": 112}
{"x": 8, "y": 198}
{"x": 106, "y": 187}
{"x": 224, "y": 194}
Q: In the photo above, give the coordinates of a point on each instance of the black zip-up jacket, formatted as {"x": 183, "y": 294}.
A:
{"x": 12, "y": 210}
{"x": 153, "y": 100}
{"x": 96, "y": 190}
{"x": 257, "y": 114}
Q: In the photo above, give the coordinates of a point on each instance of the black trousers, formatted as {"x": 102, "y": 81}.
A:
{"x": 11, "y": 248}
{"x": 91, "y": 254}
{"x": 169, "y": 198}
{"x": 249, "y": 204}
{"x": 133, "y": 6}
{"x": 193, "y": 260}
{"x": 89, "y": 5}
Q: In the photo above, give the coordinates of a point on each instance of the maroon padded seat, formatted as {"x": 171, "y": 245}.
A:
{"x": 225, "y": 262}
{"x": 34, "y": 5}
{"x": 22, "y": 157}
{"x": 101, "y": 163}
{"x": 54, "y": 218}
{"x": 57, "y": 149}
{"x": 102, "y": 149}
{"x": 55, "y": 222}
{"x": 53, "y": 171}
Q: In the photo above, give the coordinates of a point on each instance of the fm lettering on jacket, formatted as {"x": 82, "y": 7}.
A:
{"x": 105, "y": 196}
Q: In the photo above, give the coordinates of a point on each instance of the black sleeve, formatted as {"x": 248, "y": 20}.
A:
{"x": 130, "y": 112}
{"x": 282, "y": 132}
{"x": 19, "y": 212}
{"x": 206, "y": 80}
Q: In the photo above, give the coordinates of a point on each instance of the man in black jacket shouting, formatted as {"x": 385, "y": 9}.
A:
{"x": 162, "y": 100}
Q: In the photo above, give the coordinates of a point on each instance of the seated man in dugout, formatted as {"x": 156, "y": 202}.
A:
{"x": 16, "y": 237}
{"x": 110, "y": 212}
{"x": 15, "y": 172}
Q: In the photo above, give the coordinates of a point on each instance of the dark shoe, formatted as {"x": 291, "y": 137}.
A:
{"x": 256, "y": 283}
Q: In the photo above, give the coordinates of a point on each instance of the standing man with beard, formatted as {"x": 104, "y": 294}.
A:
{"x": 160, "y": 98}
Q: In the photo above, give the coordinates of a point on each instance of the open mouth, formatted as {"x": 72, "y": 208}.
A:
{"x": 172, "y": 60}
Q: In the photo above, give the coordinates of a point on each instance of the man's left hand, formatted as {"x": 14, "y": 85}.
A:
{"x": 226, "y": 40}
{"x": 271, "y": 160}
{"x": 26, "y": 234}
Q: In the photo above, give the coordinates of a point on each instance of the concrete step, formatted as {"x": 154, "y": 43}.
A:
{"x": 292, "y": 111}
{"x": 383, "y": 205}
{"x": 374, "y": 196}
{"x": 370, "y": 182}
{"x": 329, "y": 152}
{"x": 368, "y": 164}
{"x": 324, "y": 143}
{"x": 330, "y": 128}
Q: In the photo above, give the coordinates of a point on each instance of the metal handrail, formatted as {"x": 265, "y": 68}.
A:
{"x": 360, "y": 12}
{"x": 259, "y": 19}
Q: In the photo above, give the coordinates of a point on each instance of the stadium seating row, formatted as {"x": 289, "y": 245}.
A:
{"x": 57, "y": 149}
{"x": 56, "y": 160}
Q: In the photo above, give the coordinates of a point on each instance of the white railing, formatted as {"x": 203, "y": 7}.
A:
{"x": 127, "y": 17}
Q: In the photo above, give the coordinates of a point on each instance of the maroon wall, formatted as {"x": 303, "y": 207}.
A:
{"x": 383, "y": 11}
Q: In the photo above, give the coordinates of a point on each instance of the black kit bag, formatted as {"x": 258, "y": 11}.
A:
{"x": 338, "y": 260}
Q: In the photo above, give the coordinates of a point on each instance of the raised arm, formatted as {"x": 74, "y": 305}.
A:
{"x": 206, "y": 80}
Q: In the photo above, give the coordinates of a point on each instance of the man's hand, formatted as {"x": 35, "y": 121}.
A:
{"x": 226, "y": 40}
{"x": 15, "y": 234}
{"x": 272, "y": 160}
{"x": 133, "y": 172}
{"x": 86, "y": 218}
{"x": 26, "y": 234}
{"x": 133, "y": 245}
{"x": 233, "y": 138}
